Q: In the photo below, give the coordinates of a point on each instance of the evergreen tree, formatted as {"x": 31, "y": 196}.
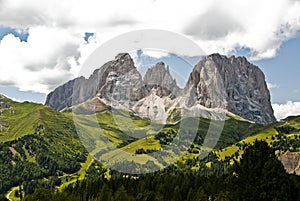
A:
{"x": 121, "y": 194}
{"x": 41, "y": 194}
{"x": 105, "y": 194}
{"x": 261, "y": 176}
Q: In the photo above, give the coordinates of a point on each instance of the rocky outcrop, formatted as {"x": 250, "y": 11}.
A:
{"x": 291, "y": 162}
{"x": 123, "y": 89}
{"x": 233, "y": 84}
{"x": 216, "y": 82}
{"x": 3, "y": 104}
{"x": 61, "y": 97}
{"x": 159, "y": 78}
{"x": 116, "y": 80}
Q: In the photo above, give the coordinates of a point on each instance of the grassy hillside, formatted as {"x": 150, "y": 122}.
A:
{"x": 282, "y": 136}
{"x": 117, "y": 135}
{"x": 138, "y": 138}
{"x": 36, "y": 142}
{"x": 41, "y": 147}
{"x": 17, "y": 119}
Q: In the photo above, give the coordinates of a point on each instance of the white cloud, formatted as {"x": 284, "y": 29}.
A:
{"x": 55, "y": 49}
{"x": 41, "y": 63}
{"x": 290, "y": 108}
{"x": 216, "y": 25}
{"x": 260, "y": 26}
{"x": 272, "y": 85}
{"x": 213, "y": 24}
{"x": 157, "y": 54}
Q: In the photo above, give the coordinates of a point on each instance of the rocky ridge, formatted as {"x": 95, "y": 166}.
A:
{"x": 217, "y": 84}
{"x": 160, "y": 78}
{"x": 233, "y": 84}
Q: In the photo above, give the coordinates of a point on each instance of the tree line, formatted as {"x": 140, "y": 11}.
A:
{"x": 258, "y": 175}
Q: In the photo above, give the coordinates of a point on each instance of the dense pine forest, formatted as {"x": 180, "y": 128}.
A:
{"x": 258, "y": 175}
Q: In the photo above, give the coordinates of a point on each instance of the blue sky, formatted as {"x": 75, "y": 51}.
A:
{"x": 22, "y": 33}
{"x": 284, "y": 71}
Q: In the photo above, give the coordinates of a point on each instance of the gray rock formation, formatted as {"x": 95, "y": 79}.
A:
{"x": 61, "y": 97}
{"x": 291, "y": 162}
{"x": 233, "y": 84}
{"x": 216, "y": 82}
{"x": 159, "y": 78}
{"x": 123, "y": 89}
{"x": 116, "y": 80}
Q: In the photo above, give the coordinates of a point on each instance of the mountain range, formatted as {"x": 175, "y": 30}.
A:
{"x": 216, "y": 82}
{"x": 41, "y": 147}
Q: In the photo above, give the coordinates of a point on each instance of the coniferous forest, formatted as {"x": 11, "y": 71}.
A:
{"x": 258, "y": 175}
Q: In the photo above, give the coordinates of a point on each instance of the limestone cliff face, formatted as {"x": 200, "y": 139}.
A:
{"x": 233, "y": 84}
{"x": 159, "y": 78}
{"x": 123, "y": 89}
{"x": 61, "y": 97}
{"x": 117, "y": 80}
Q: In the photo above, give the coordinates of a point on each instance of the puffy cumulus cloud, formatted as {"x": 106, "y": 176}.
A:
{"x": 260, "y": 26}
{"x": 40, "y": 63}
{"x": 217, "y": 26}
{"x": 290, "y": 108}
{"x": 212, "y": 25}
{"x": 81, "y": 14}
{"x": 55, "y": 49}
{"x": 88, "y": 13}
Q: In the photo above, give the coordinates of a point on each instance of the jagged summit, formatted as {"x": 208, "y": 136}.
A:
{"x": 101, "y": 83}
{"x": 233, "y": 84}
{"x": 158, "y": 75}
{"x": 216, "y": 82}
{"x": 160, "y": 78}
{"x": 122, "y": 63}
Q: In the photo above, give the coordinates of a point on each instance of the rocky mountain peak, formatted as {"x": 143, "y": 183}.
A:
{"x": 116, "y": 80}
{"x": 160, "y": 78}
{"x": 159, "y": 74}
{"x": 216, "y": 82}
{"x": 233, "y": 84}
{"x": 122, "y": 63}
